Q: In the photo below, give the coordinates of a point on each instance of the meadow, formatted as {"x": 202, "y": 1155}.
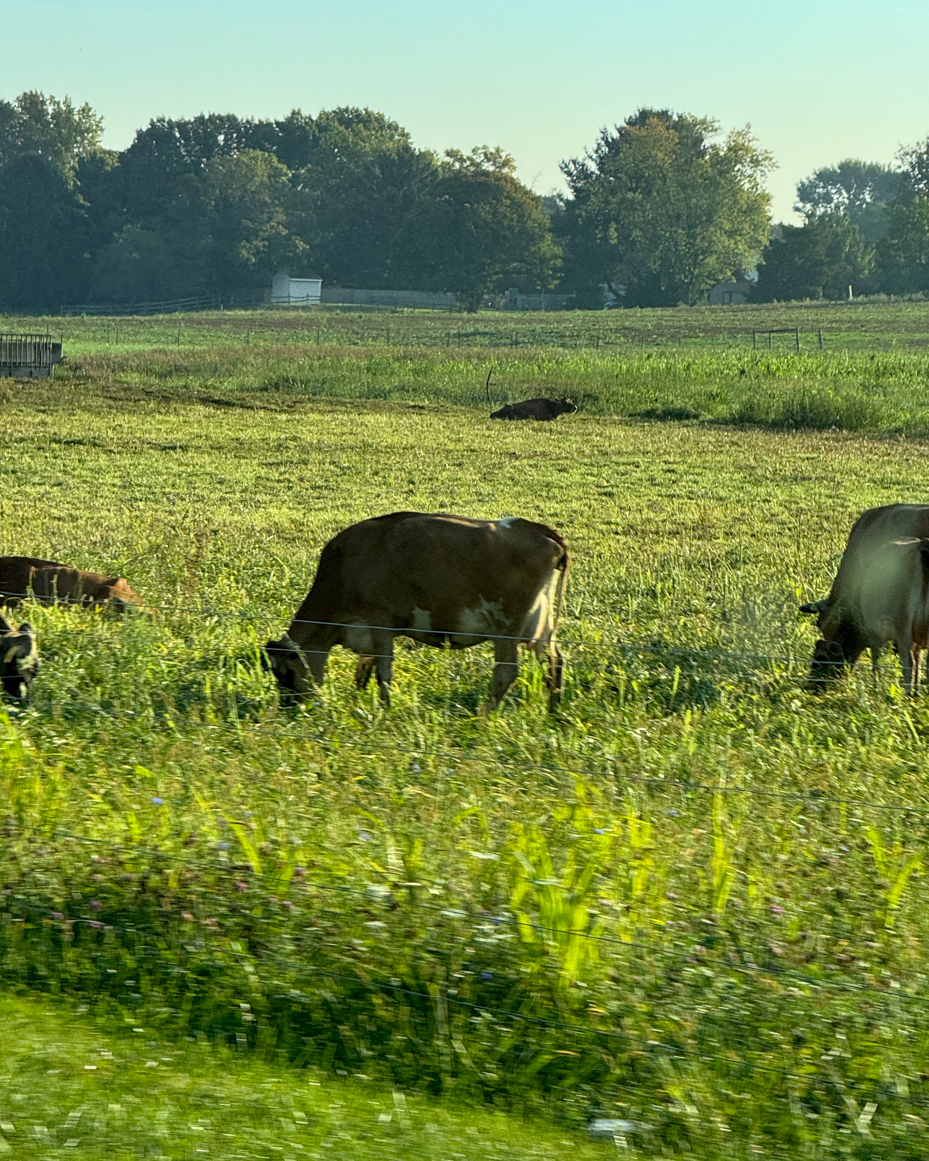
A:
{"x": 691, "y": 899}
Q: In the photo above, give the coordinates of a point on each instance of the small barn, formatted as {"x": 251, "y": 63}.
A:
{"x": 24, "y": 356}
{"x": 730, "y": 293}
{"x": 289, "y": 291}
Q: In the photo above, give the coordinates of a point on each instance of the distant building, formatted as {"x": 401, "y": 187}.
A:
{"x": 296, "y": 291}
{"x": 730, "y": 293}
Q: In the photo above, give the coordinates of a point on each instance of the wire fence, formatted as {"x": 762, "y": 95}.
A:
{"x": 817, "y": 1070}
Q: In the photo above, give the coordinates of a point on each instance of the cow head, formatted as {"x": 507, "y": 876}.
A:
{"x": 19, "y": 659}
{"x": 828, "y": 661}
{"x": 565, "y": 406}
{"x": 112, "y": 591}
{"x": 287, "y": 662}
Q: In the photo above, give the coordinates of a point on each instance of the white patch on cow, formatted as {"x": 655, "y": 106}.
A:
{"x": 10, "y": 654}
{"x": 538, "y": 623}
{"x": 422, "y": 619}
{"x": 487, "y": 620}
{"x": 359, "y": 640}
{"x": 507, "y": 521}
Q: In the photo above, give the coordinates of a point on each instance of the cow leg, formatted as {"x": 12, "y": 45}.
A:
{"x": 383, "y": 664}
{"x": 904, "y": 652}
{"x": 555, "y": 676}
{"x": 363, "y": 671}
{"x": 551, "y": 660}
{"x": 506, "y": 667}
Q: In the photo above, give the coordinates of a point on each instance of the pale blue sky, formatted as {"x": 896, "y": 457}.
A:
{"x": 817, "y": 81}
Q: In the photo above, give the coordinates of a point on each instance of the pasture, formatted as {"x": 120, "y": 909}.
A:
{"x": 691, "y": 899}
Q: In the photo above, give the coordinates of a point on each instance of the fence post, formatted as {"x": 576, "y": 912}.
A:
{"x": 820, "y": 338}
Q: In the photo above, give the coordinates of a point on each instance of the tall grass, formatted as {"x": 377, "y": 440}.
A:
{"x": 691, "y": 899}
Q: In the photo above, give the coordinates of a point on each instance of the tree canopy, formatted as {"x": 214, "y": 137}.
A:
{"x": 861, "y": 189}
{"x": 660, "y": 210}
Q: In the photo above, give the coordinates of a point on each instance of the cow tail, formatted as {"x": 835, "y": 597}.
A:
{"x": 562, "y": 566}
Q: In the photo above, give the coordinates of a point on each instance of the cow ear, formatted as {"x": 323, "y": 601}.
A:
{"x": 111, "y": 581}
{"x": 815, "y": 607}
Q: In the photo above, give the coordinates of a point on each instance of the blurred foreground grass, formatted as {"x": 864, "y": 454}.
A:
{"x": 72, "y": 1087}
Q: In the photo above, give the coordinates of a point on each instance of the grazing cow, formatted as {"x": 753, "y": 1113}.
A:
{"x": 438, "y": 580}
{"x": 51, "y": 582}
{"x": 19, "y": 659}
{"x": 545, "y": 409}
{"x": 874, "y": 527}
{"x": 839, "y": 616}
{"x": 890, "y": 603}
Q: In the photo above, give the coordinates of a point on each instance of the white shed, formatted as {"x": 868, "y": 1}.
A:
{"x": 296, "y": 291}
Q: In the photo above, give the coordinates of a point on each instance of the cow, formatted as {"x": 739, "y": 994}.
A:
{"x": 19, "y": 659}
{"x": 51, "y": 582}
{"x": 840, "y": 615}
{"x": 890, "y": 603}
{"x": 437, "y": 579}
{"x": 544, "y": 409}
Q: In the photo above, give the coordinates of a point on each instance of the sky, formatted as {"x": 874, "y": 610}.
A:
{"x": 817, "y": 81}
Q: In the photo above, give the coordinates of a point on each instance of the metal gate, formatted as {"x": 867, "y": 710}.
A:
{"x": 25, "y": 356}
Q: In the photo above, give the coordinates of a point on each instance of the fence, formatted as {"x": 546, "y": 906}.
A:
{"x": 410, "y": 299}
{"x": 168, "y": 306}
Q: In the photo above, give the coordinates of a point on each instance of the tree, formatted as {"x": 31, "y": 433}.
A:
{"x": 58, "y": 131}
{"x": 660, "y": 209}
{"x": 903, "y": 254}
{"x": 245, "y": 209}
{"x": 863, "y": 190}
{"x": 42, "y": 235}
{"x": 360, "y": 196}
{"x": 487, "y": 230}
{"x": 819, "y": 259}
{"x": 915, "y": 160}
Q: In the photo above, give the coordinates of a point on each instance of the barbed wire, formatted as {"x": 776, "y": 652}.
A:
{"x": 443, "y": 995}
{"x": 401, "y": 631}
{"x": 610, "y": 764}
{"x": 448, "y": 911}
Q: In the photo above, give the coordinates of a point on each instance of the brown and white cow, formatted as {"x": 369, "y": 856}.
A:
{"x": 19, "y": 659}
{"x": 440, "y": 580}
{"x": 544, "y": 409}
{"x": 844, "y": 617}
{"x": 51, "y": 582}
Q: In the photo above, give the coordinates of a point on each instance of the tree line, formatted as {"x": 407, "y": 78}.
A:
{"x": 657, "y": 211}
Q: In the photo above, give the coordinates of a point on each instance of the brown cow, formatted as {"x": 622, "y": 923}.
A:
{"x": 52, "y": 582}
{"x": 438, "y": 580}
{"x": 544, "y": 409}
{"x": 19, "y": 659}
{"x": 840, "y": 617}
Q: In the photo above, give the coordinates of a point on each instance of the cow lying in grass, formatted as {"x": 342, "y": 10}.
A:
{"x": 19, "y": 659}
{"x": 51, "y": 582}
{"x": 440, "y": 580}
{"x": 544, "y": 409}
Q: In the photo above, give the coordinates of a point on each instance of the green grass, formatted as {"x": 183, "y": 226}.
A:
{"x": 72, "y": 1087}
{"x": 692, "y": 898}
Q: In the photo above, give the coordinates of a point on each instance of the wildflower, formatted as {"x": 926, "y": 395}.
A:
{"x": 57, "y": 915}
{"x": 776, "y": 909}
{"x": 240, "y": 886}
{"x": 95, "y": 903}
{"x": 223, "y": 846}
{"x": 157, "y": 801}
{"x": 599, "y": 830}
{"x": 487, "y": 975}
{"x": 95, "y": 923}
{"x": 364, "y": 836}
{"x": 187, "y": 917}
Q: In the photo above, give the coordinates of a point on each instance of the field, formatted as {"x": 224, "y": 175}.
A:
{"x": 691, "y": 899}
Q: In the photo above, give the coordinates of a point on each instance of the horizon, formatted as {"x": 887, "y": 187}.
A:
{"x": 869, "y": 91}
